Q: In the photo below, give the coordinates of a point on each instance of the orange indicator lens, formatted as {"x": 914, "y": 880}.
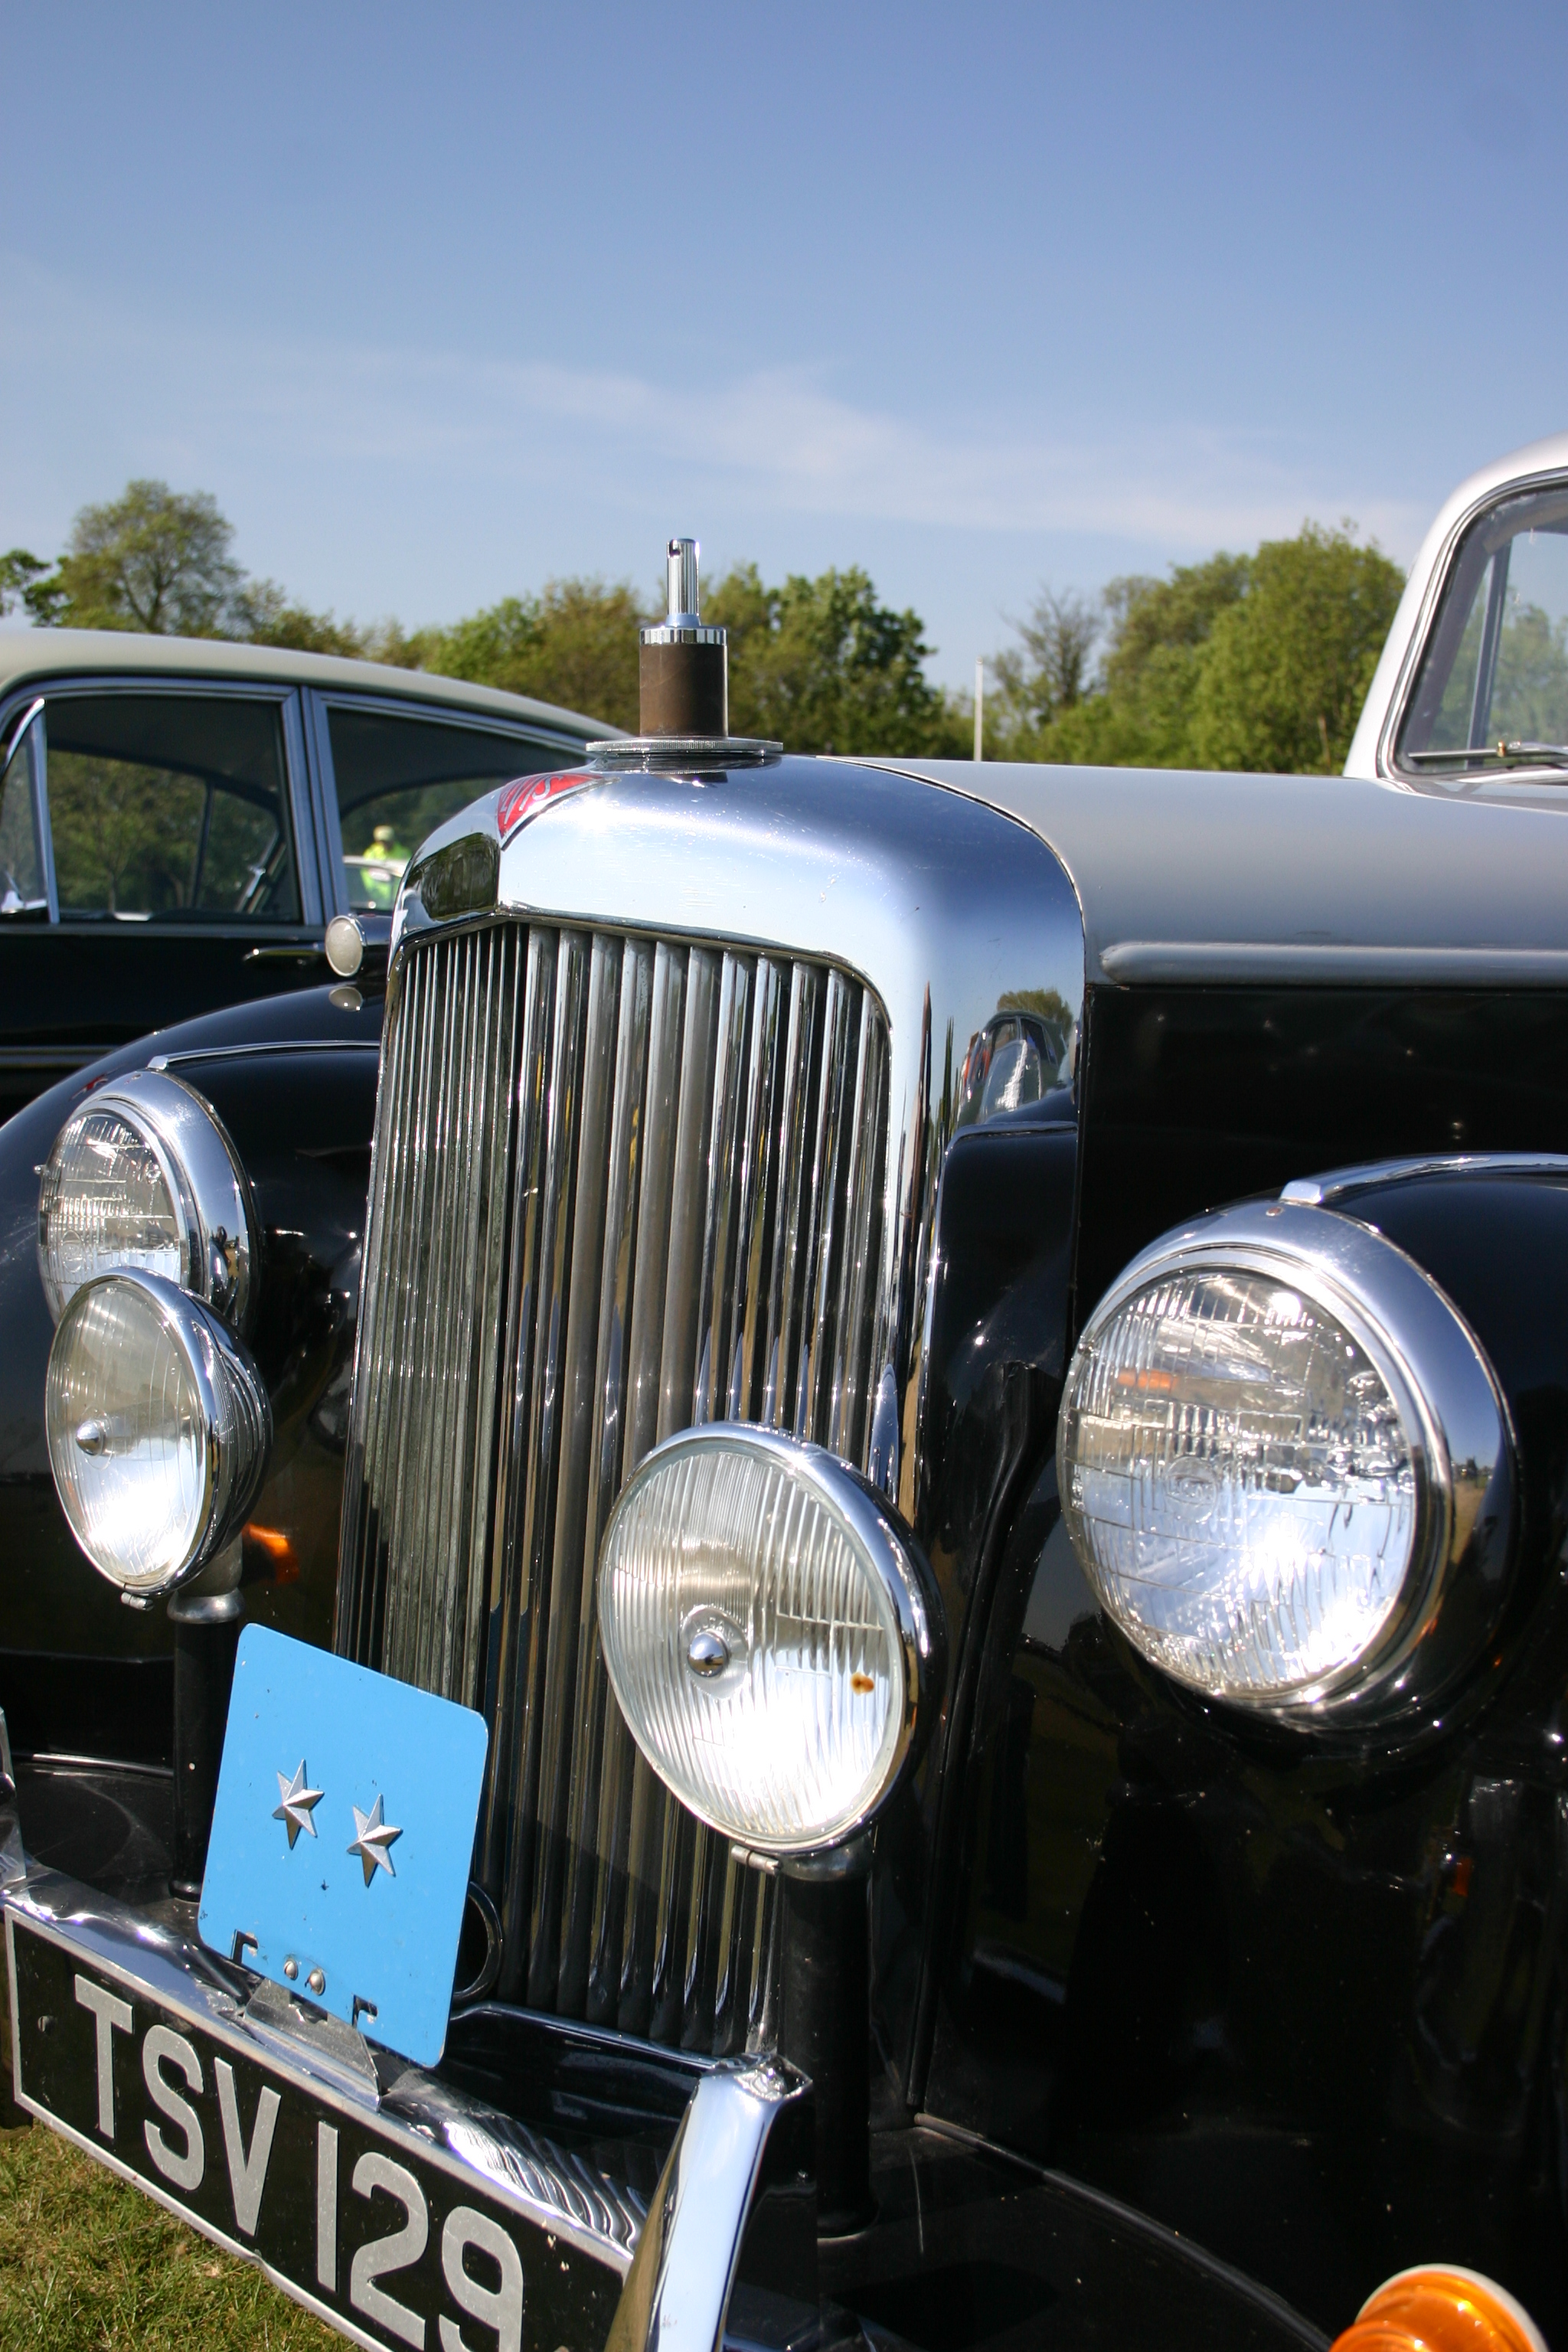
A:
{"x": 1436, "y": 2309}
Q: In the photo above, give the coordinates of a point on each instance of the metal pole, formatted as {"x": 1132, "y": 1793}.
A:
{"x": 979, "y": 706}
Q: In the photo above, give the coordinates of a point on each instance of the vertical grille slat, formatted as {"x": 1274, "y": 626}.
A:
{"x": 574, "y": 1475}
{"x": 795, "y": 1159}
{"x": 557, "y": 1171}
{"x": 848, "y": 1419}
{"x": 725, "y": 1137}
{"x": 509, "y": 1591}
{"x": 619, "y": 1185}
{"x": 595, "y": 1870}
{"x": 406, "y": 1333}
{"x": 626, "y": 1994}
{"x": 758, "y": 1196}
{"x": 828, "y": 1176}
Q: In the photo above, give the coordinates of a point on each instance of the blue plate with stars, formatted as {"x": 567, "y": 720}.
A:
{"x": 342, "y": 1837}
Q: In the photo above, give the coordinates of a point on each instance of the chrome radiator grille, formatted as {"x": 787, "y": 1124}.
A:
{"x": 621, "y": 1185}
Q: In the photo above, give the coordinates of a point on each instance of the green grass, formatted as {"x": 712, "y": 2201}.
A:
{"x": 87, "y": 2263}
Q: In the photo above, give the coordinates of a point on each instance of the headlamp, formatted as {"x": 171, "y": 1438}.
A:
{"x": 771, "y": 1634}
{"x": 142, "y": 1175}
{"x": 158, "y": 1428}
{"x": 1286, "y": 1467}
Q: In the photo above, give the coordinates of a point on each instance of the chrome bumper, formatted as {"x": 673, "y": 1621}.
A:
{"x": 671, "y": 2268}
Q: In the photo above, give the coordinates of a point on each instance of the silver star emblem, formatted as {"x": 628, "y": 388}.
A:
{"x": 297, "y": 1805}
{"x": 372, "y": 1835}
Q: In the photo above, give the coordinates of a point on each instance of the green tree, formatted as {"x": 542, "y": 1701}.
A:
{"x": 29, "y": 582}
{"x": 574, "y": 643}
{"x": 1048, "y": 672}
{"x": 1242, "y": 661}
{"x": 1157, "y": 631}
{"x": 153, "y": 559}
{"x": 263, "y": 614}
{"x": 1286, "y": 668}
{"x": 821, "y": 666}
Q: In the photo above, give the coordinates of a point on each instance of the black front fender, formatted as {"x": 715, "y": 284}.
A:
{"x": 293, "y": 1079}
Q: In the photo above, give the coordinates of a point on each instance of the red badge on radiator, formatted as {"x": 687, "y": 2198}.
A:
{"x": 530, "y": 794}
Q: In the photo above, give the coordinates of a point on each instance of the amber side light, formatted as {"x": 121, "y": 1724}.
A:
{"x": 275, "y": 1549}
{"x": 1436, "y": 2309}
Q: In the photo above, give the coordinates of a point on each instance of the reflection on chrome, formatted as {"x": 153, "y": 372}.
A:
{"x": 635, "y": 1171}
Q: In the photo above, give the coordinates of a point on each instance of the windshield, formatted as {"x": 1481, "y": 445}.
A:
{"x": 1492, "y": 690}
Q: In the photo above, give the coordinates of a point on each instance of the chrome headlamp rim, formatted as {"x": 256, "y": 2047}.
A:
{"x": 240, "y": 1417}
{"x": 903, "y": 1577}
{"x": 207, "y": 1186}
{"x": 1451, "y": 1409}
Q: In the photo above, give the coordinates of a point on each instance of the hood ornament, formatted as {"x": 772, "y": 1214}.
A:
{"x": 683, "y": 688}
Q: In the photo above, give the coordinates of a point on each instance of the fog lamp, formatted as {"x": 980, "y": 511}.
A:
{"x": 1438, "y": 2309}
{"x": 771, "y": 1634}
{"x": 1281, "y": 1452}
{"x": 142, "y": 1175}
{"x": 158, "y": 1430}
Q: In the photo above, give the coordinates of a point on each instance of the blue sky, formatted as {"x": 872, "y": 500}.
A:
{"x": 441, "y": 302}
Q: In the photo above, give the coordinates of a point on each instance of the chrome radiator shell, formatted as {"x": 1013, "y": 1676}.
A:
{"x": 633, "y": 1172}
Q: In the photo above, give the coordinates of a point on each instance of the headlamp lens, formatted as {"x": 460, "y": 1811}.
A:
{"x": 104, "y": 1202}
{"x": 1238, "y": 1482}
{"x": 158, "y": 1427}
{"x": 127, "y": 1436}
{"x": 753, "y": 1633}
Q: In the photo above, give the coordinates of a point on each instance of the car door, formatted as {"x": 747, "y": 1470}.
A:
{"x": 149, "y": 866}
{"x": 396, "y": 771}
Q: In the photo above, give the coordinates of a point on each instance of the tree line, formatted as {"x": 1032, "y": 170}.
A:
{"x": 1253, "y": 661}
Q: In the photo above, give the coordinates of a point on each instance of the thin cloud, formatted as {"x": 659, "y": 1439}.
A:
{"x": 175, "y": 401}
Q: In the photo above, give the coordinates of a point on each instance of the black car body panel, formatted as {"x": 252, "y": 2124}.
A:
{"x": 1302, "y": 1997}
{"x": 294, "y": 1081}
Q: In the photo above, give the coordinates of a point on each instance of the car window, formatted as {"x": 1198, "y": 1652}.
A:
{"x": 1494, "y": 677}
{"x": 22, "y": 891}
{"x": 398, "y": 778}
{"x": 169, "y": 808}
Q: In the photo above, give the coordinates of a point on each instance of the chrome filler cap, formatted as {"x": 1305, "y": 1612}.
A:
{"x": 683, "y": 687}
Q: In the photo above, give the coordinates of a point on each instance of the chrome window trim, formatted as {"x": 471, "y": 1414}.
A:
{"x": 323, "y": 786}
{"x": 1495, "y": 495}
{"x": 1453, "y": 1411}
{"x": 30, "y": 731}
{"x": 323, "y": 700}
{"x": 432, "y": 710}
{"x": 1327, "y": 1191}
{"x": 938, "y": 903}
{"x": 164, "y": 686}
{"x": 307, "y": 837}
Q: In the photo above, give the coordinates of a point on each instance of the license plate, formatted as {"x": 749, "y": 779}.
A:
{"x": 341, "y": 1838}
{"x": 383, "y": 2237}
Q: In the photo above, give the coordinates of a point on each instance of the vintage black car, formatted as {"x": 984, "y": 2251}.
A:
{"x": 969, "y": 1368}
{"x": 180, "y": 820}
